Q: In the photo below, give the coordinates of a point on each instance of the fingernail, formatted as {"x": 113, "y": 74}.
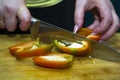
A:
{"x": 76, "y": 28}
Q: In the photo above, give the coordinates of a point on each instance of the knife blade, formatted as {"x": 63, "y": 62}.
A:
{"x": 48, "y": 32}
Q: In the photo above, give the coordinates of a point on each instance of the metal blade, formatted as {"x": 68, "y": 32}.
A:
{"x": 34, "y": 27}
{"x": 48, "y": 32}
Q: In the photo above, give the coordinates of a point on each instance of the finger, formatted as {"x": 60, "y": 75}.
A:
{"x": 79, "y": 15}
{"x": 106, "y": 20}
{"x": 24, "y": 18}
{"x": 10, "y": 22}
{"x": 2, "y": 22}
{"x": 2, "y": 25}
{"x": 113, "y": 28}
{"x": 95, "y": 23}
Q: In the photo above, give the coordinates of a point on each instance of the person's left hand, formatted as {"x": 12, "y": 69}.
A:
{"x": 106, "y": 21}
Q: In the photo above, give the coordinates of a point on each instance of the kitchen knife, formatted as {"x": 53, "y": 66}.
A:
{"x": 48, "y": 32}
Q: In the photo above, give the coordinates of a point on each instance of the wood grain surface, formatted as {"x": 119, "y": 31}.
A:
{"x": 84, "y": 68}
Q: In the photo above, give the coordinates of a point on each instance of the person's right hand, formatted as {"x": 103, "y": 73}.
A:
{"x": 10, "y": 11}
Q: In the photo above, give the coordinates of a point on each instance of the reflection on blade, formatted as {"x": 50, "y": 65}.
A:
{"x": 47, "y": 33}
{"x": 103, "y": 51}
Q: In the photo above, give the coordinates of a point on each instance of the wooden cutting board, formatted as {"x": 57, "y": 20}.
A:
{"x": 84, "y": 68}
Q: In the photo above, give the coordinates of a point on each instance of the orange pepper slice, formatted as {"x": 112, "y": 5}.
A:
{"x": 84, "y": 48}
{"x": 87, "y": 33}
{"x": 94, "y": 37}
{"x": 54, "y": 60}
{"x": 84, "y": 31}
{"x": 29, "y": 49}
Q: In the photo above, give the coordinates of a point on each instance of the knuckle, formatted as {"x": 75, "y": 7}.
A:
{"x": 26, "y": 20}
{"x": 109, "y": 19}
{"x": 10, "y": 8}
{"x": 99, "y": 30}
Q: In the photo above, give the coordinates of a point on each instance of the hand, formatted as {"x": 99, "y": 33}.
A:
{"x": 106, "y": 21}
{"x": 10, "y": 10}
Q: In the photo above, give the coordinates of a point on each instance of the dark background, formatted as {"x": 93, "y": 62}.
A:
{"x": 62, "y": 15}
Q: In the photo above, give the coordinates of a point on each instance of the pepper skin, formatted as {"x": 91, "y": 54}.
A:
{"x": 29, "y": 49}
{"x": 84, "y": 50}
{"x": 87, "y": 33}
{"x": 84, "y": 31}
{"x": 94, "y": 37}
{"x": 54, "y": 60}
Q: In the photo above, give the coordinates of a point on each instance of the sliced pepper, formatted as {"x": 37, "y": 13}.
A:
{"x": 94, "y": 37}
{"x": 54, "y": 60}
{"x": 29, "y": 49}
{"x": 79, "y": 48}
{"x": 84, "y": 31}
{"x": 87, "y": 33}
